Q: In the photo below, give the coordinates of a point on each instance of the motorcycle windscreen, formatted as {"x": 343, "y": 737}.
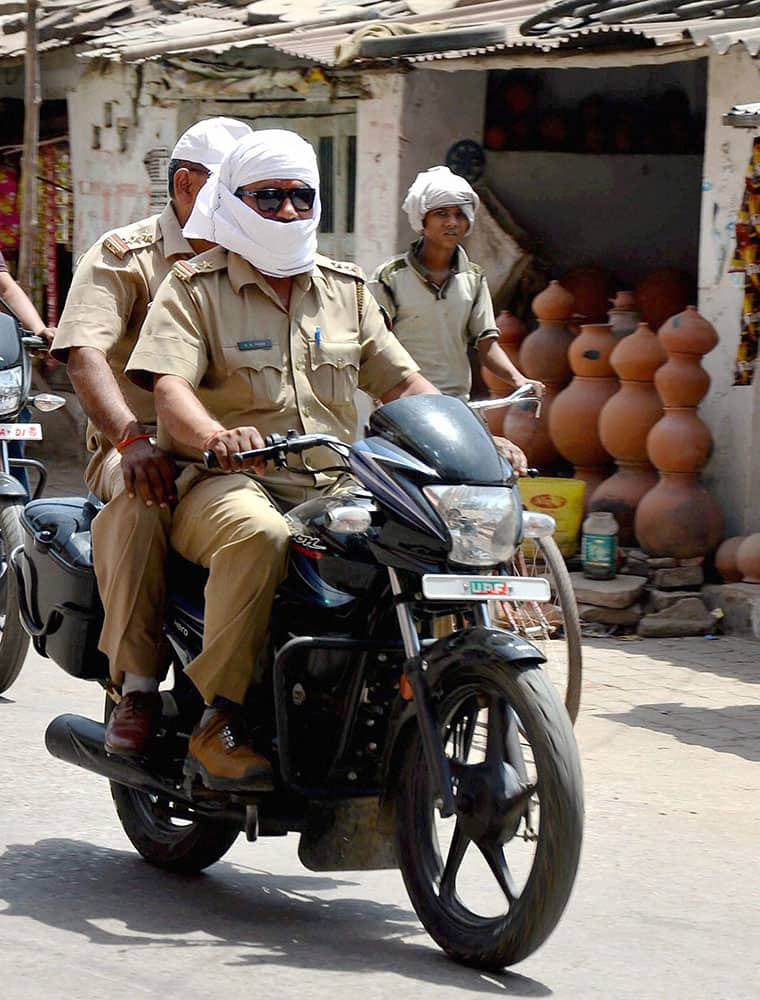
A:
{"x": 445, "y": 434}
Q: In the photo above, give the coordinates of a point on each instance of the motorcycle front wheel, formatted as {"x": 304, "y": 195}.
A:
{"x": 490, "y": 883}
{"x": 165, "y": 833}
{"x": 14, "y": 641}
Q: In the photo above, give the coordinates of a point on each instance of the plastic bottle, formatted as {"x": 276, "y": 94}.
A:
{"x": 599, "y": 545}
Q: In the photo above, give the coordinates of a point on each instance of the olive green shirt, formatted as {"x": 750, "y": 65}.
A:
{"x": 437, "y": 324}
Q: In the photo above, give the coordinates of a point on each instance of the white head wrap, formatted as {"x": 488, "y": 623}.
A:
{"x": 436, "y": 188}
{"x": 206, "y": 142}
{"x": 276, "y": 248}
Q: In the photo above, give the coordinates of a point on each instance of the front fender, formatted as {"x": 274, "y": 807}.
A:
{"x": 512, "y": 651}
{"x": 11, "y": 488}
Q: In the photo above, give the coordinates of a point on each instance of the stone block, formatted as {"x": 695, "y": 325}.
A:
{"x": 740, "y": 603}
{"x": 611, "y": 616}
{"x": 635, "y": 567}
{"x": 658, "y": 600}
{"x": 678, "y": 576}
{"x": 620, "y": 592}
{"x": 661, "y": 562}
{"x": 689, "y": 616}
{"x": 693, "y": 561}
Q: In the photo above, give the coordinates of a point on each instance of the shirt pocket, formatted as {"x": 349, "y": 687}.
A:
{"x": 334, "y": 370}
{"x": 259, "y": 374}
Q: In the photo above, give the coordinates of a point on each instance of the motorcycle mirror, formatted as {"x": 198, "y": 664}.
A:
{"x": 537, "y": 525}
{"x": 47, "y": 401}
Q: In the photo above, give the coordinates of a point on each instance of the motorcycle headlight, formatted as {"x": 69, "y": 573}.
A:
{"x": 483, "y": 521}
{"x": 10, "y": 390}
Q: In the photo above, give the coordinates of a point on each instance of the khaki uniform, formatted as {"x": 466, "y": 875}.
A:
{"x": 218, "y": 324}
{"x": 437, "y": 324}
{"x": 110, "y": 295}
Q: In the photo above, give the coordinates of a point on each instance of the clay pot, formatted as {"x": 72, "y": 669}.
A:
{"x": 661, "y": 294}
{"x": 543, "y": 354}
{"x": 623, "y": 316}
{"x": 531, "y": 434}
{"x": 681, "y": 382}
{"x": 678, "y": 518}
{"x": 590, "y": 352}
{"x": 591, "y": 288}
{"x": 748, "y": 559}
{"x": 621, "y": 494}
{"x": 626, "y": 420}
{"x": 638, "y": 357}
{"x": 688, "y": 332}
{"x": 553, "y": 303}
{"x": 725, "y": 559}
{"x": 512, "y": 332}
{"x": 495, "y": 137}
{"x": 679, "y": 442}
{"x": 623, "y": 300}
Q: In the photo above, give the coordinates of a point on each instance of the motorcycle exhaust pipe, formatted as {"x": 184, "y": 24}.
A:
{"x": 79, "y": 741}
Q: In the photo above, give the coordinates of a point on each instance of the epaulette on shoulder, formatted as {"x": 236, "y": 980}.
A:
{"x": 121, "y": 244}
{"x": 386, "y": 272}
{"x": 186, "y": 270}
{"x": 476, "y": 268}
{"x": 342, "y": 266}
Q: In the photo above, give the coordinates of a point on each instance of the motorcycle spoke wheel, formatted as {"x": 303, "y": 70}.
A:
{"x": 490, "y": 882}
{"x": 553, "y": 627}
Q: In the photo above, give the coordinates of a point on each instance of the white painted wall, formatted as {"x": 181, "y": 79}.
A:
{"x": 111, "y": 186}
{"x": 732, "y": 413}
{"x": 407, "y": 125}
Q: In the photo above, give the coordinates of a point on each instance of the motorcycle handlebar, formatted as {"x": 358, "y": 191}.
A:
{"x": 35, "y": 343}
{"x": 276, "y": 446}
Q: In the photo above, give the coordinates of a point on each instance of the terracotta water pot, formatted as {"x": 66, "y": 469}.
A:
{"x": 748, "y": 559}
{"x": 661, "y": 294}
{"x": 679, "y": 442}
{"x": 678, "y": 518}
{"x": 553, "y": 303}
{"x": 626, "y": 420}
{"x": 688, "y": 332}
{"x": 591, "y": 287}
{"x": 621, "y": 494}
{"x": 725, "y": 559}
{"x": 681, "y": 382}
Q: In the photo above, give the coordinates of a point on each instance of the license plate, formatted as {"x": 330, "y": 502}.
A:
{"x": 440, "y": 587}
{"x": 20, "y": 432}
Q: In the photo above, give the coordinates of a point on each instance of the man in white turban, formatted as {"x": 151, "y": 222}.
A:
{"x": 437, "y": 300}
{"x": 113, "y": 286}
{"x": 256, "y": 337}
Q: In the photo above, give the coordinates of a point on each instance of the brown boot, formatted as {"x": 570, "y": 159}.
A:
{"x": 133, "y": 723}
{"x": 221, "y": 756}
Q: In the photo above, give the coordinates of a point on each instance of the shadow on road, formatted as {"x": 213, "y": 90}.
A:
{"x": 734, "y": 729}
{"x": 722, "y": 657}
{"x": 113, "y": 898}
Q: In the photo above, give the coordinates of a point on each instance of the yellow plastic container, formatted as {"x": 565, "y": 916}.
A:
{"x": 563, "y": 500}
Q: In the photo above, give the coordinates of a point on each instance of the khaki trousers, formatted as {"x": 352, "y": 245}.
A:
{"x": 228, "y": 524}
{"x": 130, "y": 545}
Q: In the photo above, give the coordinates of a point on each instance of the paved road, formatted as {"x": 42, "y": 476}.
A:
{"x": 666, "y": 904}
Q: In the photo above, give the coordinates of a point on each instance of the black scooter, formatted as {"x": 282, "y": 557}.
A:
{"x": 390, "y": 746}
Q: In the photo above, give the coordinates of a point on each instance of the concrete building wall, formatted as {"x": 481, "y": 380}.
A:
{"x": 113, "y": 125}
{"x": 732, "y": 413}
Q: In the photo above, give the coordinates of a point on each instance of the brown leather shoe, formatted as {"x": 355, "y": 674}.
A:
{"x": 133, "y": 723}
{"x": 221, "y": 756}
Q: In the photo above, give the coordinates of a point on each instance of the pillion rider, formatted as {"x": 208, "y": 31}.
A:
{"x": 110, "y": 295}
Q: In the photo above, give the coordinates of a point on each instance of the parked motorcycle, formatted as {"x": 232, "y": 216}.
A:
{"x": 450, "y": 758}
{"x": 15, "y": 396}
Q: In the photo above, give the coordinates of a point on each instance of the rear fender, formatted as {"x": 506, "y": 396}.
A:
{"x": 450, "y": 653}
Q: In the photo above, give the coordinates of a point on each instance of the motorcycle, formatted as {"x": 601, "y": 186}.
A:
{"x": 445, "y": 757}
{"x": 15, "y": 397}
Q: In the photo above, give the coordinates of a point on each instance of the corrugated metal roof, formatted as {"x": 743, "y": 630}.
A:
{"x": 135, "y": 30}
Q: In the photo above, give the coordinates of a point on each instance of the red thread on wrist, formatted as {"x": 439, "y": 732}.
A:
{"x": 121, "y": 445}
{"x": 209, "y": 439}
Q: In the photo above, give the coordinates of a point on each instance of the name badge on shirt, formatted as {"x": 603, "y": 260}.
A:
{"x": 254, "y": 345}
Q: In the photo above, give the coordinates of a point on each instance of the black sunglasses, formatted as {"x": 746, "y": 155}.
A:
{"x": 271, "y": 200}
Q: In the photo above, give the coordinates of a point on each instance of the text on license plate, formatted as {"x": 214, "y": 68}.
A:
{"x": 445, "y": 587}
{"x": 20, "y": 432}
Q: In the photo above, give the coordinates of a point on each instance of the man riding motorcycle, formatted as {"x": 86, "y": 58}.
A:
{"x": 259, "y": 335}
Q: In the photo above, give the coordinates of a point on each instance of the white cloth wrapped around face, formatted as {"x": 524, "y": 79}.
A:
{"x": 280, "y": 249}
{"x": 436, "y": 188}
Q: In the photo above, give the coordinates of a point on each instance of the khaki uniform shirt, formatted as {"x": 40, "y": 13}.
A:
{"x": 217, "y": 323}
{"x": 113, "y": 287}
{"x": 437, "y": 324}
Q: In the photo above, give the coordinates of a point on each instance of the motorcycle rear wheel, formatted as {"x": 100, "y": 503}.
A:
{"x": 185, "y": 846}
{"x": 481, "y": 908}
{"x": 14, "y": 641}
